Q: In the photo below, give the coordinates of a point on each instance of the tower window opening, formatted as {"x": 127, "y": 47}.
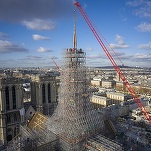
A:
{"x": 7, "y": 98}
{"x": 14, "y": 97}
{"x": 49, "y": 93}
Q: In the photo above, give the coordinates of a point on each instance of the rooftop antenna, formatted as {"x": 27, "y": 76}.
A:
{"x": 74, "y": 34}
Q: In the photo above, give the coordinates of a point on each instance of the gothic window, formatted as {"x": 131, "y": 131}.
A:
{"x": 7, "y": 98}
{"x": 43, "y": 94}
{"x": 14, "y": 97}
{"x": 49, "y": 93}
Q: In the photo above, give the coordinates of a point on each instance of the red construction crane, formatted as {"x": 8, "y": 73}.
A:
{"x": 55, "y": 64}
{"x": 118, "y": 70}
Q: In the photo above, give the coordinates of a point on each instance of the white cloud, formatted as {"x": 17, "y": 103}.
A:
{"x": 144, "y": 27}
{"x": 120, "y": 43}
{"x": 145, "y": 46}
{"x": 7, "y": 47}
{"x": 39, "y": 37}
{"x": 42, "y": 49}
{"x": 117, "y": 46}
{"x": 143, "y": 56}
{"x": 134, "y": 3}
{"x": 120, "y": 40}
{"x": 3, "y": 36}
{"x": 39, "y": 24}
{"x": 143, "y": 7}
{"x": 33, "y": 58}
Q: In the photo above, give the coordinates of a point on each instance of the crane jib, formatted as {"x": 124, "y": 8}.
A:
{"x": 118, "y": 70}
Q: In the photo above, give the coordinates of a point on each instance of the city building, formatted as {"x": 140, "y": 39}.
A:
{"x": 100, "y": 101}
{"x": 117, "y": 97}
{"x": 95, "y": 82}
{"x": 108, "y": 83}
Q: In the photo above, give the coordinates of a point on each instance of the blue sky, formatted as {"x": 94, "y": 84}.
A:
{"x": 33, "y": 31}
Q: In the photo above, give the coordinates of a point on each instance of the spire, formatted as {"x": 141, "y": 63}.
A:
{"x": 74, "y": 34}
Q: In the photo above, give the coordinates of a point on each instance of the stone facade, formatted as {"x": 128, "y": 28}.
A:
{"x": 11, "y": 102}
{"x": 44, "y": 93}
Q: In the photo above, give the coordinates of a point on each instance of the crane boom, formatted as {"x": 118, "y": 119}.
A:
{"x": 55, "y": 64}
{"x": 118, "y": 70}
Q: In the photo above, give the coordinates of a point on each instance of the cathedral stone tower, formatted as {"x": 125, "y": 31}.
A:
{"x": 43, "y": 93}
{"x": 11, "y": 102}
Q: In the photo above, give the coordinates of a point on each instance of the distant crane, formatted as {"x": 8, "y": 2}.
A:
{"x": 118, "y": 70}
{"x": 55, "y": 64}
